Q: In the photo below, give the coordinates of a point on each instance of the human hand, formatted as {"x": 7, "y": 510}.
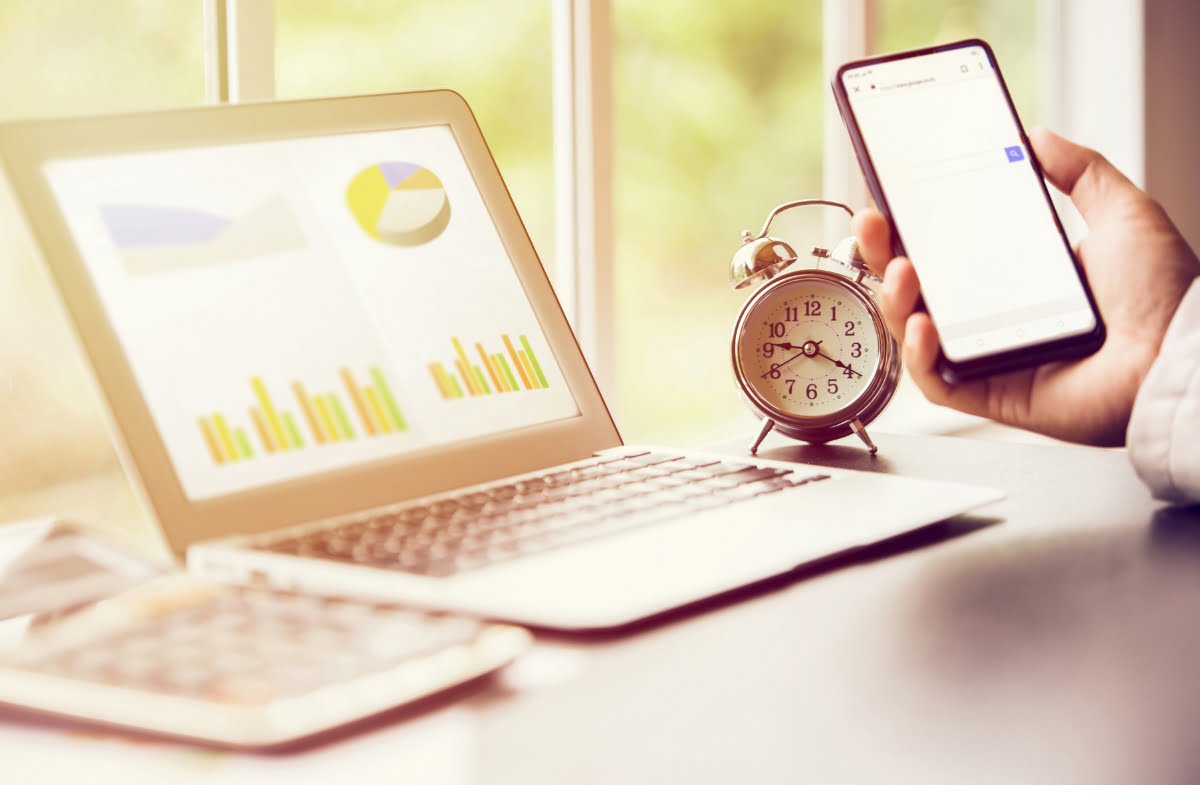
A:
{"x": 1138, "y": 266}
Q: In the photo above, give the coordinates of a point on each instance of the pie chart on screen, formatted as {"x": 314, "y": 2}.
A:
{"x": 399, "y": 203}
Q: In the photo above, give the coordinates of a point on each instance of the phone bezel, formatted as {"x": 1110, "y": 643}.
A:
{"x": 955, "y": 371}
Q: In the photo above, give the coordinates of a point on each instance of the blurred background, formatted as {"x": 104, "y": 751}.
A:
{"x": 718, "y": 115}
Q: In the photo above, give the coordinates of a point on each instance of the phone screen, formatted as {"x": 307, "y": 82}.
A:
{"x": 952, "y": 170}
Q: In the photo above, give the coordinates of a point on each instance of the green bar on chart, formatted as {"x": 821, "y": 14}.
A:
{"x": 533, "y": 360}
{"x": 389, "y": 400}
{"x": 243, "y": 444}
{"x": 293, "y": 432}
{"x": 339, "y": 416}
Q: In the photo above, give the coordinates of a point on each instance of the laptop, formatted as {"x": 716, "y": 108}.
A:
{"x": 334, "y": 364}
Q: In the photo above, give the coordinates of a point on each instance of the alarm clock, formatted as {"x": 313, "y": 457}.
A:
{"x": 811, "y": 352}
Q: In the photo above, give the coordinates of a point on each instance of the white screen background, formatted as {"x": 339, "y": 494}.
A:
{"x": 338, "y": 299}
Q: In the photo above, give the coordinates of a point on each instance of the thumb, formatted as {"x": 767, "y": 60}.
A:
{"x": 1094, "y": 184}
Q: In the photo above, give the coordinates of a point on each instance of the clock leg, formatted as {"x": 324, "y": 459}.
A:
{"x": 766, "y": 428}
{"x": 858, "y": 428}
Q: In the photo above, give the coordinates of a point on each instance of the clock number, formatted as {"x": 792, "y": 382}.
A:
{"x": 811, "y": 391}
{"x": 849, "y": 328}
{"x": 833, "y": 387}
{"x": 833, "y": 313}
{"x": 812, "y": 308}
{"x": 855, "y": 350}
{"x": 768, "y": 349}
{"x": 778, "y": 329}
{"x": 791, "y": 382}
{"x": 775, "y": 373}
{"x": 792, "y": 315}
{"x": 848, "y": 372}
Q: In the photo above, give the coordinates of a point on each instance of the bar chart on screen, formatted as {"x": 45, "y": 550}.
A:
{"x": 304, "y": 418}
{"x": 507, "y": 369}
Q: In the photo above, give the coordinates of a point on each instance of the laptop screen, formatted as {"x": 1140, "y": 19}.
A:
{"x": 305, "y": 305}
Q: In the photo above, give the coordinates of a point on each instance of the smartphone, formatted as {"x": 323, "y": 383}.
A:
{"x": 949, "y": 164}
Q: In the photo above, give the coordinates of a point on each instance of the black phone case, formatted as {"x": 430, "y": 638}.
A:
{"x": 1076, "y": 346}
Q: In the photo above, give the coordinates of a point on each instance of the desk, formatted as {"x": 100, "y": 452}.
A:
{"x": 1054, "y": 636}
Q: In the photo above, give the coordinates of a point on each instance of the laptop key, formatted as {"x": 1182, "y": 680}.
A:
{"x": 540, "y": 513}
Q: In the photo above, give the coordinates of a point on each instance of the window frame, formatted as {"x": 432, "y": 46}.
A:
{"x": 1073, "y": 39}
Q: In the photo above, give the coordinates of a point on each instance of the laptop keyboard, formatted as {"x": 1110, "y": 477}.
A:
{"x": 530, "y": 515}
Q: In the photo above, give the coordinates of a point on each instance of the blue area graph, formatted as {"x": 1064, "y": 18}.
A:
{"x": 153, "y": 238}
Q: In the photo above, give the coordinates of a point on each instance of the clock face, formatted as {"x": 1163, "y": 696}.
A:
{"x": 808, "y": 345}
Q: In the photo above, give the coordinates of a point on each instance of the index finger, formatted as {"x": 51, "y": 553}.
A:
{"x": 874, "y": 239}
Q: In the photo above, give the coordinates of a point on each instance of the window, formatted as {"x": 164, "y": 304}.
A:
{"x": 717, "y": 108}
{"x": 72, "y": 57}
{"x": 497, "y": 55}
{"x": 718, "y": 113}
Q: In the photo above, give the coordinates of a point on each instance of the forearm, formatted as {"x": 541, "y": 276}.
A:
{"x": 1164, "y": 431}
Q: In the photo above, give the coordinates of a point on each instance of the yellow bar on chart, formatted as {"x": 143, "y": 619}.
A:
{"x": 437, "y": 378}
{"x": 468, "y": 379}
{"x": 491, "y": 369}
{"x": 326, "y": 417}
{"x": 210, "y": 439}
{"x": 268, "y": 407}
{"x": 466, "y": 365}
{"x": 225, "y": 437}
{"x": 512, "y": 352}
{"x": 377, "y": 408}
{"x": 528, "y": 369}
{"x": 360, "y": 405}
{"x": 504, "y": 372}
{"x": 450, "y": 381}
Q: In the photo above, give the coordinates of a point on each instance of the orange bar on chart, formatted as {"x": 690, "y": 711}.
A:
{"x": 325, "y": 415}
{"x": 528, "y": 369}
{"x": 268, "y": 407}
{"x": 260, "y": 425}
{"x": 491, "y": 369}
{"x": 512, "y": 352}
{"x": 360, "y": 405}
{"x": 210, "y": 439}
{"x": 465, "y": 366}
{"x": 310, "y": 414}
{"x": 437, "y": 378}
{"x": 468, "y": 378}
{"x": 377, "y": 408}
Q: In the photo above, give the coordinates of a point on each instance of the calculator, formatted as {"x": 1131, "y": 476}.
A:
{"x": 246, "y": 667}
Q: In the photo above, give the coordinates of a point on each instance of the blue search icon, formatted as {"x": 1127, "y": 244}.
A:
{"x": 1014, "y": 153}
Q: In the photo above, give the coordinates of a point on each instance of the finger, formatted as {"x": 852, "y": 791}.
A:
{"x": 899, "y": 295}
{"x": 1093, "y": 183}
{"x": 874, "y": 239}
{"x": 920, "y": 354}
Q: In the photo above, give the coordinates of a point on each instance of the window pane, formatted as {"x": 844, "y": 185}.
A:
{"x": 718, "y": 120}
{"x": 72, "y": 57}
{"x": 495, "y": 54}
{"x": 78, "y": 57}
{"x": 1009, "y": 26}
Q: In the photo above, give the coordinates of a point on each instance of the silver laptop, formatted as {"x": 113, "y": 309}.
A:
{"x": 335, "y": 364}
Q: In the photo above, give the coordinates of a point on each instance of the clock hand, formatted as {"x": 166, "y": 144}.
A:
{"x": 803, "y": 352}
{"x": 767, "y": 374}
{"x": 790, "y": 346}
{"x": 840, "y": 364}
